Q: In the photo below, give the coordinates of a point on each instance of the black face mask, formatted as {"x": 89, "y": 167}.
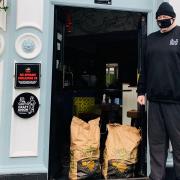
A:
{"x": 165, "y": 23}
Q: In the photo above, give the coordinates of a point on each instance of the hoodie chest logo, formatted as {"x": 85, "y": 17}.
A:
{"x": 174, "y": 42}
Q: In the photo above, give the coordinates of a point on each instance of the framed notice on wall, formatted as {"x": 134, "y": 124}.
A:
{"x": 27, "y": 75}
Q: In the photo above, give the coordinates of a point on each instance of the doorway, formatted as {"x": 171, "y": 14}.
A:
{"x": 96, "y": 57}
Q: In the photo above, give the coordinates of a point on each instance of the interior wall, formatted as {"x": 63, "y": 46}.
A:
{"x": 129, "y": 100}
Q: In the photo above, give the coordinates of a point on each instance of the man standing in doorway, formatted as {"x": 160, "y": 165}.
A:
{"x": 160, "y": 81}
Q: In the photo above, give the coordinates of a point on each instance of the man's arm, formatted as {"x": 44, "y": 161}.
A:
{"x": 141, "y": 86}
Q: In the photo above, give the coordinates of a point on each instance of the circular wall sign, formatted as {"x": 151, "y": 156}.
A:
{"x": 26, "y": 105}
{"x": 28, "y": 45}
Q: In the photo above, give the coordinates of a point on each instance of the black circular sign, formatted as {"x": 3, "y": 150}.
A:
{"x": 26, "y": 105}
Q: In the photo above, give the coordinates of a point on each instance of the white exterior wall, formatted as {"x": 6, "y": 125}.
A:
{"x": 176, "y": 5}
{"x": 24, "y": 143}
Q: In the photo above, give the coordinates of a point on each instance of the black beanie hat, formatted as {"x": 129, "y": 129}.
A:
{"x": 165, "y": 9}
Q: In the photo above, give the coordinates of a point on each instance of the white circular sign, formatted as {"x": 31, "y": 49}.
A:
{"x": 28, "y": 45}
{"x": 1, "y": 44}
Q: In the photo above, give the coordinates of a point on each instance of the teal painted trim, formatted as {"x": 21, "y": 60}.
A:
{"x": 7, "y": 87}
{"x": 150, "y": 22}
{"x": 128, "y": 5}
{"x": 47, "y": 78}
{"x": 1, "y": 104}
{"x": 18, "y": 169}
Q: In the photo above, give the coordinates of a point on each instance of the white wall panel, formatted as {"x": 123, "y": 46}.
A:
{"x": 30, "y": 14}
{"x": 3, "y": 17}
{"x": 24, "y": 132}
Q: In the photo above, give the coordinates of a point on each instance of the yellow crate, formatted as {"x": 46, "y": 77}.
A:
{"x": 83, "y": 104}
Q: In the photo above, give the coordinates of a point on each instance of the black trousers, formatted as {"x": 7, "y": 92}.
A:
{"x": 163, "y": 124}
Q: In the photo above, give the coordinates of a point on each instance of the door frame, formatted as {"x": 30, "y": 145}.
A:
{"x": 73, "y": 3}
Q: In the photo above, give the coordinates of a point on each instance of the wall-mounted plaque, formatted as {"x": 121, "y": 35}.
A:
{"x": 27, "y": 75}
{"x": 109, "y": 2}
{"x": 28, "y": 45}
{"x": 26, "y": 105}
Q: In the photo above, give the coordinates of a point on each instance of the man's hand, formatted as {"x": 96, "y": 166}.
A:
{"x": 141, "y": 100}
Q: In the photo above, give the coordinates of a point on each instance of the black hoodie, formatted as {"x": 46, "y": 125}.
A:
{"x": 160, "y": 73}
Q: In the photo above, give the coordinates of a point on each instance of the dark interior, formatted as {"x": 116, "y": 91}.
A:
{"x": 93, "y": 52}
{"x": 79, "y": 70}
